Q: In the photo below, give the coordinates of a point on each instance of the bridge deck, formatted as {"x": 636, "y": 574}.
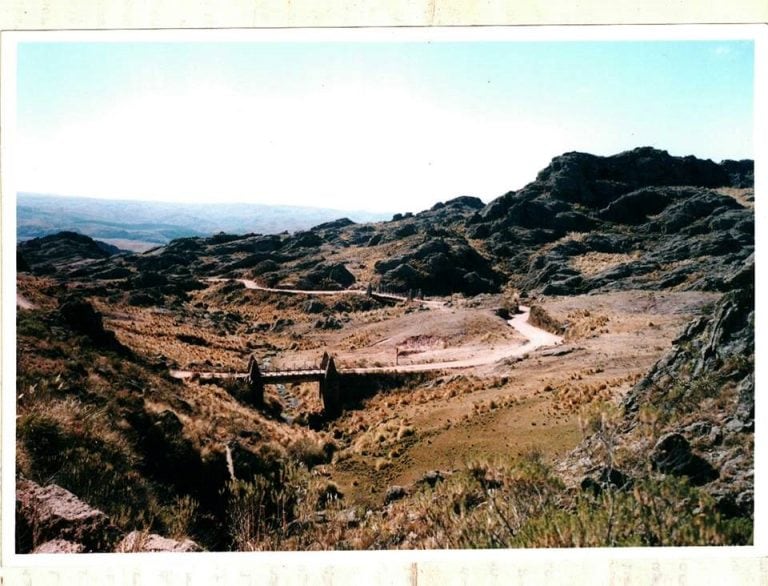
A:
{"x": 292, "y": 376}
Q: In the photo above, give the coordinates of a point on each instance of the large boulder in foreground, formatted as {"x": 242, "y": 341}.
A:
{"x": 53, "y": 514}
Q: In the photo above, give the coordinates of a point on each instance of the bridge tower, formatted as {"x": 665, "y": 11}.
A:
{"x": 255, "y": 382}
{"x": 330, "y": 388}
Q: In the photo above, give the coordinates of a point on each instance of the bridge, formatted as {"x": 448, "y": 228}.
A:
{"x": 326, "y": 375}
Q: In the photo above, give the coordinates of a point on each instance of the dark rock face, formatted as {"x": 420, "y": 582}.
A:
{"x": 713, "y": 354}
{"x": 327, "y": 276}
{"x": 52, "y": 513}
{"x": 607, "y": 479}
{"x": 333, "y": 225}
{"x": 741, "y": 173}
{"x": 81, "y": 317}
{"x": 305, "y": 240}
{"x": 595, "y": 181}
{"x": 710, "y": 343}
{"x": 657, "y": 208}
{"x": 59, "y": 252}
{"x": 672, "y": 455}
{"x": 439, "y": 266}
{"x": 313, "y": 306}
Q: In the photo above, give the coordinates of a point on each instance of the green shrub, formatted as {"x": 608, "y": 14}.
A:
{"x": 665, "y": 512}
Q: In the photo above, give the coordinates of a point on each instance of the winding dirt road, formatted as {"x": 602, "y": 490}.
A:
{"x": 537, "y": 338}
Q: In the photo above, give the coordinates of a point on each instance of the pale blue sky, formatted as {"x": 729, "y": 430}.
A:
{"x": 362, "y": 125}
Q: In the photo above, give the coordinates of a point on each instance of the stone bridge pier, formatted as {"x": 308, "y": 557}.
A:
{"x": 330, "y": 387}
{"x": 255, "y": 382}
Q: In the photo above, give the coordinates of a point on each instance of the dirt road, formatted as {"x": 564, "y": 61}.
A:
{"x": 536, "y": 338}
{"x": 249, "y": 284}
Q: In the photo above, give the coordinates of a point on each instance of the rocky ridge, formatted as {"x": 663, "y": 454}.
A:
{"x": 693, "y": 414}
{"x": 639, "y": 219}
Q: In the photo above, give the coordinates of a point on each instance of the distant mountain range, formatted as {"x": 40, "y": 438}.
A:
{"x": 140, "y": 225}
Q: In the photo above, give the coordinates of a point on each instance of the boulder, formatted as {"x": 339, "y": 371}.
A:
{"x": 313, "y": 306}
{"x": 52, "y": 513}
{"x": 81, "y": 317}
{"x": 431, "y": 478}
{"x": 672, "y": 455}
{"x": 395, "y": 493}
{"x": 608, "y": 478}
{"x": 327, "y": 276}
{"x": 59, "y": 546}
{"x": 139, "y": 541}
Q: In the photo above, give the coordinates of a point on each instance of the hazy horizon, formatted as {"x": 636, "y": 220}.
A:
{"x": 137, "y": 200}
{"x": 350, "y": 125}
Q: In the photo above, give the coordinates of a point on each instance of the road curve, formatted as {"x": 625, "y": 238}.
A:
{"x": 536, "y": 338}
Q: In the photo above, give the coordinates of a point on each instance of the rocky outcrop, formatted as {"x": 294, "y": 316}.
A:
{"x": 707, "y": 382}
{"x": 439, "y": 266}
{"x": 740, "y": 173}
{"x": 82, "y": 318}
{"x": 327, "y": 276}
{"x": 672, "y": 455}
{"x": 53, "y": 519}
{"x": 333, "y": 225}
{"x": 722, "y": 342}
{"x": 658, "y": 210}
{"x": 66, "y": 245}
{"x": 596, "y": 181}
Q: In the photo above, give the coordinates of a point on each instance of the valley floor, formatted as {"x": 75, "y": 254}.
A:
{"x": 501, "y": 402}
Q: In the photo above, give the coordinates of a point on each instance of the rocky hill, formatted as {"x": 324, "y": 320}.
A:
{"x": 640, "y": 219}
{"x": 643, "y": 218}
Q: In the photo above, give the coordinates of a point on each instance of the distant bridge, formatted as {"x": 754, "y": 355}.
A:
{"x": 326, "y": 375}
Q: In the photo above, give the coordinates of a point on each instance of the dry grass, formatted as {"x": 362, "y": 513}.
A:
{"x": 745, "y": 196}
{"x": 584, "y": 323}
{"x": 592, "y": 263}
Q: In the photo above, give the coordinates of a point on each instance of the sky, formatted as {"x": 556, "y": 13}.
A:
{"x": 380, "y": 126}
